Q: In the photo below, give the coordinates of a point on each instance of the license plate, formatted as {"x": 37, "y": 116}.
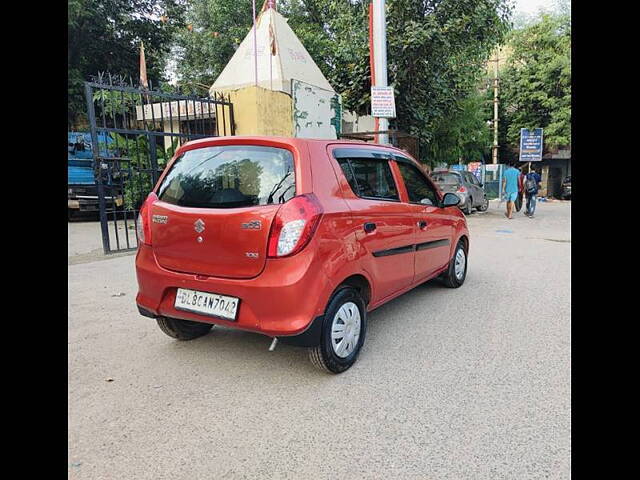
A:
{"x": 206, "y": 303}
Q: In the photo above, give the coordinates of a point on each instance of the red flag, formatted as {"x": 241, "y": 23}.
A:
{"x": 143, "y": 68}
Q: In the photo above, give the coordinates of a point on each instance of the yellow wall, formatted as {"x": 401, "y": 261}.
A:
{"x": 260, "y": 111}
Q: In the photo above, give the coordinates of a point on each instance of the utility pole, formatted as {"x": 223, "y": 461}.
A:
{"x": 380, "y": 58}
{"x": 255, "y": 44}
{"x": 495, "y": 111}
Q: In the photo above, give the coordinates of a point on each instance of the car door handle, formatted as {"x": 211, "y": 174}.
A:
{"x": 369, "y": 227}
{"x": 422, "y": 224}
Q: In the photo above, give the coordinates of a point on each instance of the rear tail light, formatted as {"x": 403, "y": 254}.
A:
{"x": 462, "y": 189}
{"x": 143, "y": 226}
{"x": 294, "y": 225}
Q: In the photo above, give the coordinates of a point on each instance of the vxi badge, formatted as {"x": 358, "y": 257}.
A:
{"x": 252, "y": 225}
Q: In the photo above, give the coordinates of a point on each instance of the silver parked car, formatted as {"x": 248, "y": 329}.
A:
{"x": 466, "y": 186}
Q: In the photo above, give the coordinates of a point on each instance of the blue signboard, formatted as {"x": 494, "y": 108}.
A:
{"x": 457, "y": 167}
{"x": 530, "y": 145}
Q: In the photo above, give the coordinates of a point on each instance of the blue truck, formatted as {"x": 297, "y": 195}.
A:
{"x": 82, "y": 187}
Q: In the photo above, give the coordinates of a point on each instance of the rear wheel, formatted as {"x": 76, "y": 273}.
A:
{"x": 183, "y": 329}
{"x": 455, "y": 275}
{"x": 343, "y": 332}
{"x": 468, "y": 207}
{"x": 485, "y": 205}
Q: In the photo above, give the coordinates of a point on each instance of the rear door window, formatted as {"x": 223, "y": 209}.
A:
{"x": 445, "y": 178}
{"x": 474, "y": 180}
{"x": 370, "y": 177}
{"x": 230, "y": 176}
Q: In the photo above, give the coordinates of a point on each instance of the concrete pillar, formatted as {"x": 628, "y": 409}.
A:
{"x": 260, "y": 111}
{"x": 545, "y": 181}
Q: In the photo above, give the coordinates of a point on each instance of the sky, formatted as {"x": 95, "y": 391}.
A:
{"x": 532, "y": 6}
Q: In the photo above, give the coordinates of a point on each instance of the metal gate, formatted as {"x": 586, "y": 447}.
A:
{"x": 135, "y": 132}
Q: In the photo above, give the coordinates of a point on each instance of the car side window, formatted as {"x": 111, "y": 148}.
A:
{"x": 370, "y": 177}
{"x": 418, "y": 189}
{"x": 474, "y": 180}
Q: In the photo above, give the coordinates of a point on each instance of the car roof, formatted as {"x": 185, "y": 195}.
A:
{"x": 290, "y": 141}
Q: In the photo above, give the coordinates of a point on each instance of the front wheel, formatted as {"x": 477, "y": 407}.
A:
{"x": 455, "y": 275}
{"x": 343, "y": 332}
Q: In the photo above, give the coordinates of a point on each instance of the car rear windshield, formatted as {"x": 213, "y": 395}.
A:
{"x": 230, "y": 176}
{"x": 445, "y": 178}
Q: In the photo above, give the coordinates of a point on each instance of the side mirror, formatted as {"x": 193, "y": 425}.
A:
{"x": 450, "y": 200}
{"x": 481, "y": 185}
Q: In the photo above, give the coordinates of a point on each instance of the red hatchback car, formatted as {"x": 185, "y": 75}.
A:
{"x": 293, "y": 238}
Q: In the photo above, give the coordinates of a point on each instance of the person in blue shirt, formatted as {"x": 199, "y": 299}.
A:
{"x": 510, "y": 187}
{"x": 531, "y": 187}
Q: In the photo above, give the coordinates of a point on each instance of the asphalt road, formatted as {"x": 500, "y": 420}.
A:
{"x": 468, "y": 383}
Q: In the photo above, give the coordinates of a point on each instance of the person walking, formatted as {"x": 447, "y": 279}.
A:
{"x": 531, "y": 187}
{"x": 520, "y": 198}
{"x": 510, "y": 187}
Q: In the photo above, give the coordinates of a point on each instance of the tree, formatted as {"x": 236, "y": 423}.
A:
{"x": 436, "y": 49}
{"x": 536, "y": 83}
{"x": 436, "y": 52}
{"x": 216, "y": 29}
{"x": 464, "y": 134}
{"x": 105, "y": 36}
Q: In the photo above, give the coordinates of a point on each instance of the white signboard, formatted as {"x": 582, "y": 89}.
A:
{"x": 383, "y": 103}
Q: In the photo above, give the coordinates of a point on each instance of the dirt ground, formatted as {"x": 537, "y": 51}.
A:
{"x": 469, "y": 383}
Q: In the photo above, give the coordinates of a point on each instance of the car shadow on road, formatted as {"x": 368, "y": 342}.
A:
{"x": 236, "y": 351}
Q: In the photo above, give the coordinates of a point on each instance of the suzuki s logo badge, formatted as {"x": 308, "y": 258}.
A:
{"x": 160, "y": 219}
{"x": 199, "y": 225}
{"x": 252, "y": 225}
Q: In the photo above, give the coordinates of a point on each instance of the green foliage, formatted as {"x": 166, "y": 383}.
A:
{"x": 105, "y": 36}
{"x": 138, "y": 178}
{"x": 219, "y": 26}
{"x": 464, "y": 134}
{"x": 436, "y": 52}
{"x": 114, "y": 103}
{"x": 536, "y": 83}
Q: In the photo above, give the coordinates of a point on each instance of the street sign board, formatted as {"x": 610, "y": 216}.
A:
{"x": 530, "y": 145}
{"x": 383, "y": 104}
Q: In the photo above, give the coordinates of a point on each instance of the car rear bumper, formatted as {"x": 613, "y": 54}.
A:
{"x": 92, "y": 203}
{"x": 283, "y": 300}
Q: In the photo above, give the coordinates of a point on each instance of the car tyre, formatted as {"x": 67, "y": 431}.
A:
{"x": 346, "y": 314}
{"x": 468, "y": 207}
{"x": 183, "y": 329}
{"x": 455, "y": 275}
{"x": 485, "y": 205}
